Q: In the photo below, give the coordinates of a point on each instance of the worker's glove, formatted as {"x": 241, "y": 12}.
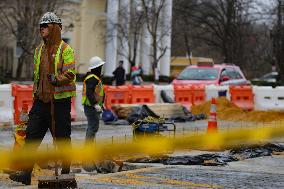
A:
{"x": 52, "y": 79}
{"x": 98, "y": 108}
{"x": 69, "y": 75}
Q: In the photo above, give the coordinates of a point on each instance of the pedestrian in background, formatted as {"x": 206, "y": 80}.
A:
{"x": 119, "y": 74}
{"x": 136, "y": 75}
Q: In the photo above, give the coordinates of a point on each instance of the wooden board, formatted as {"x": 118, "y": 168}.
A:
{"x": 166, "y": 110}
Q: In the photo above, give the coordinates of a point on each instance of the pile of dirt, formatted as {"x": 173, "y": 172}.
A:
{"x": 226, "y": 110}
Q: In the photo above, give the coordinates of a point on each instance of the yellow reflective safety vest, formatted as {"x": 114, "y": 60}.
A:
{"x": 64, "y": 61}
{"x": 99, "y": 91}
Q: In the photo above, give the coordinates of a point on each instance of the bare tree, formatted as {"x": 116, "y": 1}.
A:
{"x": 225, "y": 25}
{"x": 183, "y": 27}
{"x": 21, "y": 19}
{"x": 230, "y": 31}
{"x": 6, "y": 55}
{"x": 277, "y": 35}
{"x": 157, "y": 28}
{"x": 129, "y": 31}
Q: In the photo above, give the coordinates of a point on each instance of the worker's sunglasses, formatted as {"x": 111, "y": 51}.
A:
{"x": 43, "y": 26}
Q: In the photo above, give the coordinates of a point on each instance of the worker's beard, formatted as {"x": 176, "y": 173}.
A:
{"x": 52, "y": 42}
{"x": 97, "y": 71}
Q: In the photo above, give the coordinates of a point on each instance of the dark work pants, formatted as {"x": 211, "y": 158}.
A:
{"x": 40, "y": 121}
{"x": 93, "y": 118}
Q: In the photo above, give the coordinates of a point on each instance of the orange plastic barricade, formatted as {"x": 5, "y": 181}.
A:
{"x": 116, "y": 95}
{"x": 242, "y": 96}
{"x": 22, "y": 95}
{"x": 141, "y": 94}
{"x": 184, "y": 95}
{"x": 198, "y": 93}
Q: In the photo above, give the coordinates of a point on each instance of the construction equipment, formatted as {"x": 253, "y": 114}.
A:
{"x": 152, "y": 126}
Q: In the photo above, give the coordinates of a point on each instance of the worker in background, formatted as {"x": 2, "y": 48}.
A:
{"x": 93, "y": 96}
{"x": 54, "y": 85}
{"x": 119, "y": 74}
{"x": 92, "y": 100}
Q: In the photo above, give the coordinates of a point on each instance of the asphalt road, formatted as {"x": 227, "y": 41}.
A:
{"x": 264, "y": 172}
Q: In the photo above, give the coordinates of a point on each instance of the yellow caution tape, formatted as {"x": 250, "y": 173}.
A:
{"x": 146, "y": 145}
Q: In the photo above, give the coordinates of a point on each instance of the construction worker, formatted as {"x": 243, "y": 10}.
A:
{"x": 54, "y": 85}
{"x": 92, "y": 100}
{"x": 93, "y": 96}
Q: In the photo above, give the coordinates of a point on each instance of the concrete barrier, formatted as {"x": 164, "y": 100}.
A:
{"x": 212, "y": 91}
{"x": 268, "y": 98}
{"x": 80, "y": 116}
{"x": 169, "y": 89}
{"x": 6, "y": 105}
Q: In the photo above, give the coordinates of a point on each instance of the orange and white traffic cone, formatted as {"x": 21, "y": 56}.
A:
{"x": 212, "y": 121}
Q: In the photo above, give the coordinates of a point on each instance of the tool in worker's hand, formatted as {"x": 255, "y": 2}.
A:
{"x": 98, "y": 108}
{"x": 52, "y": 79}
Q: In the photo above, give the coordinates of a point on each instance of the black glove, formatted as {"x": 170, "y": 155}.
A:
{"x": 52, "y": 79}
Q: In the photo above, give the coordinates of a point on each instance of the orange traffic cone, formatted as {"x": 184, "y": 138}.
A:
{"x": 212, "y": 121}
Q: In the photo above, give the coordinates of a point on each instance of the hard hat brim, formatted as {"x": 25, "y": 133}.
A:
{"x": 47, "y": 22}
{"x": 95, "y": 66}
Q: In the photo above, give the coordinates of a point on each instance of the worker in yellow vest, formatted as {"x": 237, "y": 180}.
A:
{"x": 54, "y": 85}
{"x": 93, "y": 97}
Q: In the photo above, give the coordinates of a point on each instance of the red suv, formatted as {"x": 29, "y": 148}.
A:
{"x": 209, "y": 73}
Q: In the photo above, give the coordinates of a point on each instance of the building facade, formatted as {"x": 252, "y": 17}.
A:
{"x": 92, "y": 29}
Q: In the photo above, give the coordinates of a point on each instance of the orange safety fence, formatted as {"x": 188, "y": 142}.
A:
{"x": 141, "y": 94}
{"x": 116, "y": 95}
{"x": 242, "y": 96}
{"x": 189, "y": 95}
{"x": 199, "y": 95}
{"x": 22, "y": 95}
{"x": 183, "y": 94}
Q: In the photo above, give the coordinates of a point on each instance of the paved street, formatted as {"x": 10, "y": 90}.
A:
{"x": 264, "y": 172}
{"x": 113, "y": 132}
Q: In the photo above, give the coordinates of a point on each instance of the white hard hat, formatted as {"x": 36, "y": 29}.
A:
{"x": 95, "y": 62}
{"x": 50, "y": 17}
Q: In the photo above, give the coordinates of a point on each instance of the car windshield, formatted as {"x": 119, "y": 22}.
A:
{"x": 271, "y": 75}
{"x": 198, "y": 74}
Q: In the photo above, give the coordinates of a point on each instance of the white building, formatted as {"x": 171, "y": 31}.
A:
{"x": 94, "y": 21}
{"x": 87, "y": 25}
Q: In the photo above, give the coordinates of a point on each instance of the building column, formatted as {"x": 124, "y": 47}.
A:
{"x": 111, "y": 38}
{"x": 166, "y": 59}
{"x": 146, "y": 59}
{"x": 125, "y": 7}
